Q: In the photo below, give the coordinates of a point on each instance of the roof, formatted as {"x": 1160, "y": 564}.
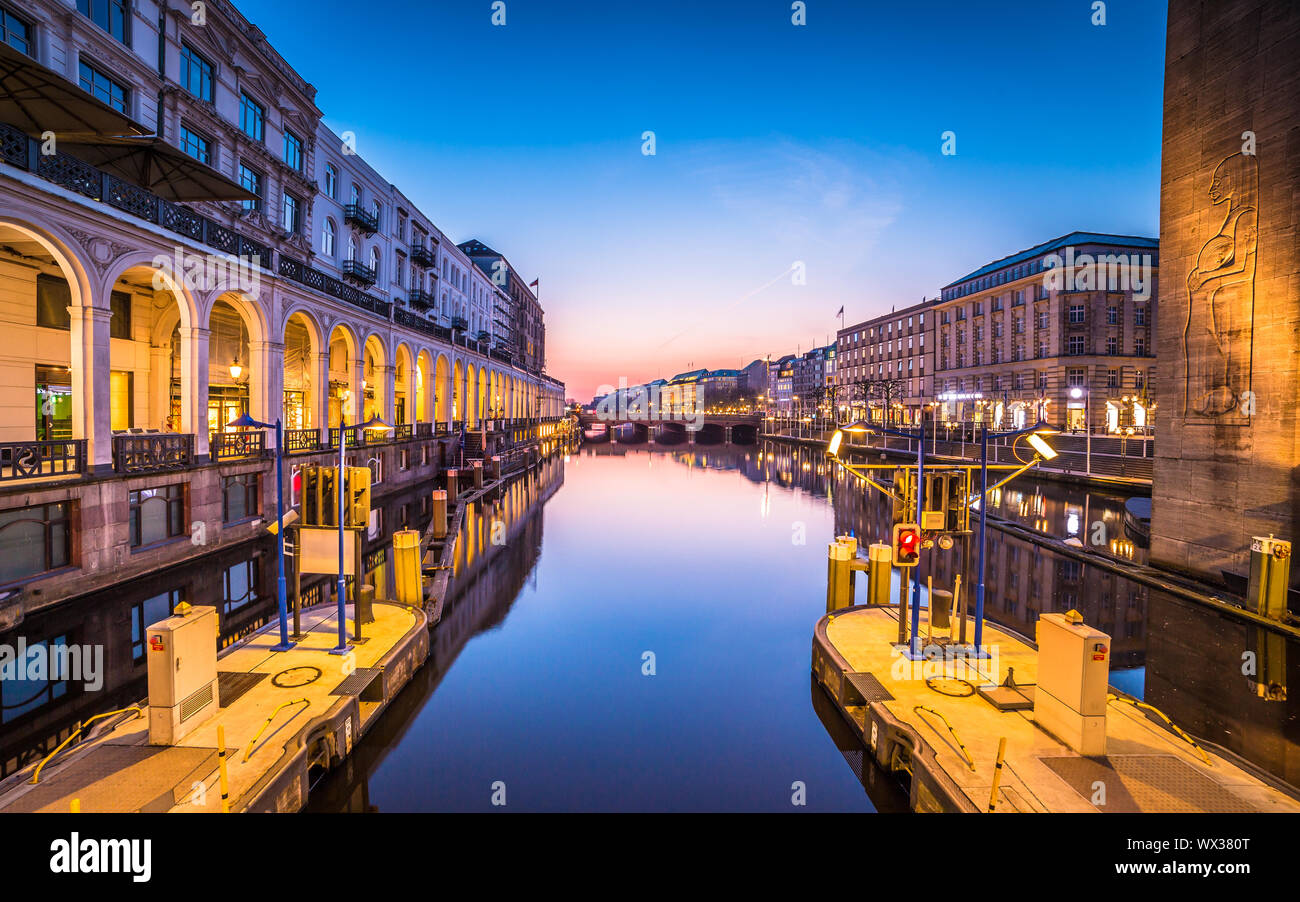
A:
{"x": 723, "y": 373}
{"x": 692, "y": 376}
{"x": 1073, "y": 238}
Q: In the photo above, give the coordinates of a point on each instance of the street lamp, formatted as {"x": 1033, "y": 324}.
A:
{"x": 1042, "y": 451}
{"x": 374, "y": 424}
{"x": 1080, "y": 392}
{"x": 281, "y": 586}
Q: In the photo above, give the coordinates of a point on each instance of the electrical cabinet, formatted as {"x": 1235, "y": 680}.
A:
{"x": 182, "y": 659}
{"x": 1073, "y": 682}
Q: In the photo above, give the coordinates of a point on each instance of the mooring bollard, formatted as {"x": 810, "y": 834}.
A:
{"x": 452, "y": 476}
{"x": 221, "y": 762}
{"x": 837, "y": 576}
{"x": 364, "y": 610}
{"x": 439, "y": 513}
{"x": 476, "y": 470}
{"x": 496, "y": 467}
{"x": 407, "y": 582}
{"x": 881, "y": 558}
{"x": 851, "y": 543}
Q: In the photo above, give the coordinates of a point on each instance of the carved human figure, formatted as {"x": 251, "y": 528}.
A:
{"x": 1221, "y": 296}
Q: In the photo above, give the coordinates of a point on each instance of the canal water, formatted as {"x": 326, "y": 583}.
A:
{"x": 629, "y": 628}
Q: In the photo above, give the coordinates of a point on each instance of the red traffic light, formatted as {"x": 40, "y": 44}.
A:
{"x": 907, "y": 545}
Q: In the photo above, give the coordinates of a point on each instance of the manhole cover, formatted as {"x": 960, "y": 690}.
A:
{"x": 295, "y": 677}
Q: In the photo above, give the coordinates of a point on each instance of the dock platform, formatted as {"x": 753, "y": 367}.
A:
{"x": 927, "y": 730}
{"x": 300, "y": 710}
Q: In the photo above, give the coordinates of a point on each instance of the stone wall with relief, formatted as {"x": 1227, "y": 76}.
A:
{"x": 1228, "y": 440}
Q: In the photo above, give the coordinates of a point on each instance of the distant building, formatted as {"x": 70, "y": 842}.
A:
{"x": 754, "y": 381}
{"x": 884, "y": 367}
{"x": 813, "y": 381}
{"x": 517, "y": 313}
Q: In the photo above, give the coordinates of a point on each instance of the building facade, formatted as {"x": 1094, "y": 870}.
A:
{"x": 518, "y": 310}
{"x": 141, "y": 326}
{"x": 885, "y": 366}
{"x": 1061, "y": 332}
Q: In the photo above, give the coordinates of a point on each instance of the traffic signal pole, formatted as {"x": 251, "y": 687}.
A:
{"x": 339, "y": 492}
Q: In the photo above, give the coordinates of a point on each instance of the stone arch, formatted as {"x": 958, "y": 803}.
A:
{"x": 404, "y": 382}
{"x": 343, "y": 394}
{"x": 376, "y": 379}
{"x": 425, "y": 388}
{"x": 303, "y": 380}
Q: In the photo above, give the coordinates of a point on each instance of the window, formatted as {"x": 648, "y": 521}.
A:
{"x": 157, "y": 514}
{"x": 121, "y": 399}
{"x": 15, "y": 32}
{"x": 252, "y": 117}
{"x": 19, "y": 696}
{"x": 109, "y": 15}
{"x": 1112, "y": 346}
{"x": 1042, "y": 381}
{"x": 239, "y": 497}
{"x": 1076, "y": 313}
{"x": 145, "y": 614}
{"x": 292, "y": 207}
{"x": 120, "y": 325}
{"x": 1139, "y": 316}
{"x": 328, "y": 238}
{"x": 1112, "y": 315}
{"x": 1076, "y": 345}
{"x": 293, "y": 151}
{"x": 1139, "y": 379}
{"x": 331, "y": 181}
{"x": 1112, "y": 378}
{"x": 240, "y": 586}
{"x": 374, "y": 261}
{"x": 53, "y": 298}
{"x": 251, "y": 179}
{"x": 103, "y": 88}
{"x": 1075, "y": 377}
{"x": 196, "y": 145}
{"x": 1042, "y": 319}
{"x": 196, "y": 73}
{"x": 1140, "y": 346}
{"x": 35, "y": 540}
{"x": 356, "y": 196}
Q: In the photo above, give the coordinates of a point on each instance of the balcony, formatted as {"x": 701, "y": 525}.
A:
{"x": 36, "y": 460}
{"x": 459, "y": 322}
{"x": 424, "y": 254}
{"x": 358, "y": 272}
{"x": 152, "y": 452}
{"x": 355, "y": 215}
{"x": 419, "y": 299}
{"x": 241, "y": 445}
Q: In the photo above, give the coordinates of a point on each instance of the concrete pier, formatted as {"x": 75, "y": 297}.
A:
{"x": 914, "y": 721}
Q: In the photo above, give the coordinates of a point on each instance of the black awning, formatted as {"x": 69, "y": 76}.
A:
{"x": 37, "y": 100}
{"x": 152, "y": 163}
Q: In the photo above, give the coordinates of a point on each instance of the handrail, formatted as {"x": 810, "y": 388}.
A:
{"x": 258, "y": 735}
{"x": 965, "y": 754}
{"x": 1173, "y": 726}
{"x": 81, "y": 725}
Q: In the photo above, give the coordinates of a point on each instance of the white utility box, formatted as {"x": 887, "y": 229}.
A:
{"x": 182, "y": 654}
{"x": 1073, "y": 680}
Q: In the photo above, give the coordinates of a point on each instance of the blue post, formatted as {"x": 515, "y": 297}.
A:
{"x": 984, "y": 506}
{"x": 281, "y": 587}
{"x": 343, "y": 580}
{"x": 920, "y": 503}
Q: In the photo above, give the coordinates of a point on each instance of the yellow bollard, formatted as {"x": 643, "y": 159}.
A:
{"x": 75, "y": 807}
{"x": 406, "y": 568}
{"x": 881, "y": 558}
{"x": 221, "y": 766}
{"x": 997, "y": 773}
{"x": 439, "y": 518}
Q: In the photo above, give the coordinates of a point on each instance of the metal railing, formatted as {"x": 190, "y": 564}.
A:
{"x": 245, "y": 443}
{"x": 32, "y": 460}
{"x": 300, "y": 441}
{"x": 151, "y": 452}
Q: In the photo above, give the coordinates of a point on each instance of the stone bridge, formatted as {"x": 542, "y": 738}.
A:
{"x": 713, "y": 429}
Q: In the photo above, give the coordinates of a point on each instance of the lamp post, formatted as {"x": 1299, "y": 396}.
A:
{"x": 281, "y": 586}
{"x": 1081, "y": 392}
{"x": 374, "y": 424}
{"x": 914, "y": 646}
{"x": 1043, "y": 450}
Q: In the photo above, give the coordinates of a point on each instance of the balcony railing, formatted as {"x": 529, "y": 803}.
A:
{"x": 33, "y": 460}
{"x": 402, "y": 432}
{"x": 459, "y": 322}
{"x": 245, "y": 443}
{"x": 300, "y": 441}
{"x": 355, "y": 214}
{"x": 424, "y": 254}
{"x": 356, "y": 271}
{"x": 419, "y": 299}
{"x": 424, "y": 429}
{"x": 150, "y": 452}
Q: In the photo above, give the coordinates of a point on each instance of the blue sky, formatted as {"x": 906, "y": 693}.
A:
{"x": 774, "y": 144}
